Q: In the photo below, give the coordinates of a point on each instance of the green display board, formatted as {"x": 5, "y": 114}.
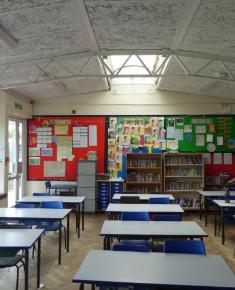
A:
{"x": 200, "y": 134}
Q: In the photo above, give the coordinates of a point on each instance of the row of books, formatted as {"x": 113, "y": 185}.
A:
{"x": 183, "y": 159}
{"x": 185, "y": 185}
{"x": 148, "y": 189}
{"x": 144, "y": 163}
{"x": 184, "y": 171}
{"x": 187, "y": 202}
{"x": 146, "y": 177}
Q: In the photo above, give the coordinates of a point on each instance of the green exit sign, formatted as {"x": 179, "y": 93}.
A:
{"x": 18, "y": 106}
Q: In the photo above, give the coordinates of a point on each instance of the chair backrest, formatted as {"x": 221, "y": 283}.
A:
{"x": 184, "y": 247}
{"x": 47, "y": 184}
{"x": 52, "y": 204}
{"x": 24, "y": 205}
{"x": 41, "y": 194}
{"x": 132, "y": 248}
{"x": 135, "y": 216}
{"x": 168, "y": 217}
{"x": 129, "y": 199}
{"x": 159, "y": 200}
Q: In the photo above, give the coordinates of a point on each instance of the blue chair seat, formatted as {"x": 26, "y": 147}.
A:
{"x": 185, "y": 247}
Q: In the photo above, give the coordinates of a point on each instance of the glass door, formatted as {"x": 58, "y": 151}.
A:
{"x": 15, "y": 130}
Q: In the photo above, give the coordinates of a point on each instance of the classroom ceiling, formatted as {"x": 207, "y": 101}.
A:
{"x": 46, "y": 44}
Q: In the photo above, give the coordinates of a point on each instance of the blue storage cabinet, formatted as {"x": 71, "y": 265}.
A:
{"x": 105, "y": 190}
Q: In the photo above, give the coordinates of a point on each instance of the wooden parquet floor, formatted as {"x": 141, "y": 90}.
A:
{"x": 57, "y": 277}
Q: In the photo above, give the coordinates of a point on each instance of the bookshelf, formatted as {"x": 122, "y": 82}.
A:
{"x": 144, "y": 172}
{"x": 183, "y": 177}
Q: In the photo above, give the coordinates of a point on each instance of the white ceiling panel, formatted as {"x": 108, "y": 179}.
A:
{"x": 212, "y": 29}
{"x": 135, "y": 24}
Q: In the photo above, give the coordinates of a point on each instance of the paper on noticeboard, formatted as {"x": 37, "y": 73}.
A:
{"x": 54, "y": 168}
{"x": 61, "y": 129}
{"x": 207, "y": 158}
{"x": 64, "y": 147}
{"x": 200, "y": 140}
{"x": 93, "y": 135}
{"x": 228, "y": 158}
{"x": 217, "y": 158}
{"x": 80, "y": 137}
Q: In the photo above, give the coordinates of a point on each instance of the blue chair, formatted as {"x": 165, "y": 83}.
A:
{"x": 159, "y": 200}
{"x": 24, "y": 205}
{"x": 48, "y": 186}
{"x": 135, "y": 216}
{"x": 130, "y": 248}
{"x": 168, "y": 217}
{"x": 185, "y": 247}
{"x": 52, "y": 226}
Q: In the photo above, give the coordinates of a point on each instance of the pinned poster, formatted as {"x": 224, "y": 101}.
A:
{"x": 92, "y": 135}
{"x": 61, "y": 129}
{"x": 209, "y": 138}
{"x": 34, "y": 151}
{"x": 220, "y": 140}
{"x": 200, "y": 140}
{"x": 172, "y": 144}
{"x": 200, "y": 129}
{"x": 187, "y": 128}
{"x": 170, "y": 132}
{"x": 34, "y": 161}
{"x": 228, "y": 158}
{"x": 179, "y": 134}
{"x": 217, "y": 158}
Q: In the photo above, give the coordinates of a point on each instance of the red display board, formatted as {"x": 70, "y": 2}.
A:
{"x": 215, "y": 169}
{"x": 50, "y": 129}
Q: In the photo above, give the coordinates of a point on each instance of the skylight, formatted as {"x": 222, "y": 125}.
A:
{"x": 130, "y": 65}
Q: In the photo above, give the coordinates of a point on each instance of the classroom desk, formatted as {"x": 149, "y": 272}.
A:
{"x": 155, "y": 270}
{"x": 23, "y": 239}
{"x": 70, "y": 187}
{"x": 208, "y": 195}
{"x": 39, "y": 214}
{"x": 77, "y": 200}
{"x": 142, "y": 196}
{"x": 150, "y": 229}
{"x": 222, "y": 205}
{"x": 142, "y": 207}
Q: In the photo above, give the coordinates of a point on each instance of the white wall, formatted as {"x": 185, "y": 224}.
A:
{"x": 132, "y": 100}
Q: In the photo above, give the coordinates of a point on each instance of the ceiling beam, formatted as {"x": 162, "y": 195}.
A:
{"x": 7, "y": 39}
{"x": 187, "y": 19}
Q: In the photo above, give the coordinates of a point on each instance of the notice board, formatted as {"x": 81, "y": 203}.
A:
{"x": 56, "y": 143}
{"x": 200, "y": 133}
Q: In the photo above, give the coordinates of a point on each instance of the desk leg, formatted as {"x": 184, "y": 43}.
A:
{"x": 68, "y": 230}
{"x": 105, "y": 243}
{"x": 215, "y": 221}
{"x": 26, "y": 270}
{"x": 81, "y": 287}
{"x": 200, "y": 206}
{"x": 83, "y": 215}
{"x": 205, "y": 210}
{"x": 93, "y": 287}
{"x": 78, "y": 218}
{"x": 60, "y": 244}
{"x": 222, "y": 221}
{"x": 39, "y": 285}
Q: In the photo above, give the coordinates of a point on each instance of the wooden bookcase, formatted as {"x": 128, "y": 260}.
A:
{"x": 183, "y": 177}
{"x": 144, "y": 172}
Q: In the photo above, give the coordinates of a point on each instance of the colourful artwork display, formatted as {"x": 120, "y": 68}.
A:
{"x": 131, "y": 134}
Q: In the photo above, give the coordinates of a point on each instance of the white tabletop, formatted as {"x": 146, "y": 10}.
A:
{"x": 155, "y": 269}
{"x": 154, "y": 208}
{"x": 222, "y": 203}
{"x": 142, "y": 196}
{"x": 64, "y": 199}
{"x": 152, "y": 228}
{"x": 19, "y": 238}
{"x": 33, "y": 213}
{"x": 213, "y": 193}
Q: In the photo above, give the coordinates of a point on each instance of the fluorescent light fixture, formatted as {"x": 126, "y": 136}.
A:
{"x": 7, "y": 39}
